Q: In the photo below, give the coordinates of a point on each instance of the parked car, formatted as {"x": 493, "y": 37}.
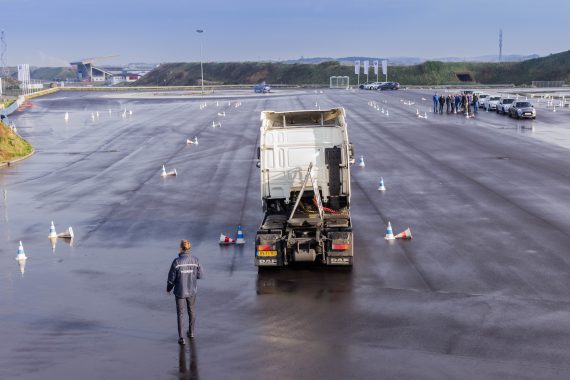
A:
{"x": 389, "y": 86}
{"x": 504, "y": 105}
{"x": 375, "y": 85}
{"x": 362, "y": 85}
{"x": 262, "y": 88}
{"x": 490, "y": 103}
{"x": 522, "y": 109}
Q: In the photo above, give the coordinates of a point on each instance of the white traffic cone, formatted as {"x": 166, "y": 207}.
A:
{"x": 67, "y": 234}
{"x": 195, "y": 140}
{"x": 387, "y": 113}
{"x": 417, "y": 112}
{"x": 389, "y": 233}
{"x": 21, "y": 253}
{"x": 381, "y": 186}
{"x": 163, "y": 172}
{"x": 92, "y": 116}
{"x": 52, "y": 232}
{"x": 407, "y": 234}
{"x": 66, "y": 116}
{"x": 225, "y": 240}
{"x": 361, "y": 162}
{"x": 240, "y": 238}
{"x": 97, "y": 114}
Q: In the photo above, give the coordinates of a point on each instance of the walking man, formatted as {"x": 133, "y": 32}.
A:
{"x": 435, "y": 102}
{"x": 441, "y": 103}
{"x": 183, "y": 277}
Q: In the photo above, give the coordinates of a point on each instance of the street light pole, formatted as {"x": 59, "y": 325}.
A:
{"x": 200, "y": 31}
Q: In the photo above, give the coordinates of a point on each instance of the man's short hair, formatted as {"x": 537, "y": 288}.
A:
{"x": 185, "y": 245}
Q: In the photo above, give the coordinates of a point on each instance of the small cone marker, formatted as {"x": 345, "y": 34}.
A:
{"x": 66, "y": 116}
{"x": 381, "y": 186}
{"x": 361, "y": 162}
{"x": 52, "y": 232}
{"x": 164, "y": 173}
{"x": 67, "y": 234}
{"x": 21, "y": 254}
{"x": 389, "y": 233}
{"x": 407, "y": 234}
{"x": 240, "y": 238}
{"x": 225, "y": 240}
{"x": 387, "y": 114}
{"x": 92, "y": 116}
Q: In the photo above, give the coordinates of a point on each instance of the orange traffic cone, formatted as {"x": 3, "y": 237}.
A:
{"x": 225, "y": 240}
{"x": 407, "y": 234}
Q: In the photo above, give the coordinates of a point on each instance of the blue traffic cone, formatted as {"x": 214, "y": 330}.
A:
{"x": 21, "y": 254}
{"x": 52, "y": 232}
{"x": 381, "y": 186}
{"x": 389, "y": 233}
{"x": 240, "y": 238}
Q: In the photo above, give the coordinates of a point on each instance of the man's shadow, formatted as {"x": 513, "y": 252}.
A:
{"x": 185, "y": 371}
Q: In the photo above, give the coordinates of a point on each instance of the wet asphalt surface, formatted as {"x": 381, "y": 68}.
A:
{"x": 480, "y": 292}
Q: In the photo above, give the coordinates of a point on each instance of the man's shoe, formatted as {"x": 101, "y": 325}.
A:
{"x": 191, "y": 336}
{"x": 181, "y": 341}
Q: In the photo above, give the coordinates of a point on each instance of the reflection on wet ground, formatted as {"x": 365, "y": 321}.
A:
{"x": 188, "y": 369}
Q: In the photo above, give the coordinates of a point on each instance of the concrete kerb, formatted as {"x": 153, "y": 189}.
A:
{"x": 9, "y": 163}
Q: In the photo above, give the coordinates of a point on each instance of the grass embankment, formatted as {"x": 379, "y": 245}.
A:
{"x": 12, "y": 146}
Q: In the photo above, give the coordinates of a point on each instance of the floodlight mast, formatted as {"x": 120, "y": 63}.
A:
{"x": 200, "y": 31}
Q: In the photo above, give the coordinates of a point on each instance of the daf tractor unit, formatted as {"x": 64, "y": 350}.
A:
{"x": 304, "y": 160}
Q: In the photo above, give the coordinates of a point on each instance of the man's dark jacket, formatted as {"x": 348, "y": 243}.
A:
{"x": 183, "y": 275}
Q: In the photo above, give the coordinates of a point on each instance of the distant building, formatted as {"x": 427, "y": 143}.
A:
{"x": 86, "y": 72}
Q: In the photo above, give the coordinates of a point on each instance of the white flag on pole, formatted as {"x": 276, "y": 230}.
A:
{"x": 357, "y": 67}
{"x": 366, "y": 65}
{"x": 375, "y": 63}
{"x": 385, "y": 67}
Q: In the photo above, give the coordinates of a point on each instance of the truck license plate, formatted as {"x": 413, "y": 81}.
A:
{"x": 266, "y": 253}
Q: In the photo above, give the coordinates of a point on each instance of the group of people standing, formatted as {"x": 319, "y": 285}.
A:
{"x": 456, "y": 103}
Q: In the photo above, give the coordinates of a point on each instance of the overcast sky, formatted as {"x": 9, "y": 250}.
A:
{"x": 55, "y": 32}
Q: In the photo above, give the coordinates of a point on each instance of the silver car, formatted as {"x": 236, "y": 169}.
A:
{"x": 522, "y": 109}
{"x": 504, "y": 104}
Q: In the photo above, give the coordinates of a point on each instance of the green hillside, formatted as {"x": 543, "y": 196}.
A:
{"x": 553, "y": 67}
{"x": 11, "y": 145}
{"x": 53, "y": 73}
